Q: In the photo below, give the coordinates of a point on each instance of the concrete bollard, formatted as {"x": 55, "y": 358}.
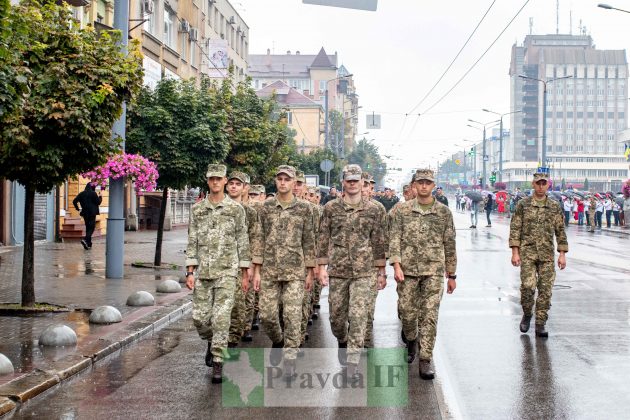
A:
{"x": 6, "y": 367}
{"x": 168, "y": 286}
{"x": 58, "y": 335}
{"x": 105, "y": 315}
{"x": 141, "y": 298}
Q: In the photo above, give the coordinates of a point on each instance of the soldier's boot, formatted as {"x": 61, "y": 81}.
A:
{"x": 247, "y": 337}
{"x": 306, "y": 336}
{"x": 256, "y": 322}
{"x": 353, "y": 373}
{"x": 424, "y": 368}
{"x": 525, "y": 321}
{"x": 209, "y": 356}
{"x": 342, "y": 353}
{"x": 309, "y": 322}
{"x": 541, "y": 331}
{"x": 217, "y": 372}
{"x": 275, "y": 356}
{"x": 317, "y": 306}
{"x": 315, "y": 314}
{"x": 288, "y": 369}
{"x": 402, "y": 336}
{"x": 412, "y": 348}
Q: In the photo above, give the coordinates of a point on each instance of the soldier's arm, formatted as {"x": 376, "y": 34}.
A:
{"x": 561, "y": 235}
{"x": 450, "y": 250}
{"x": 516, "y": 226}
{"x": 308, "y": 241}
{"x": 395, "y": 232}
{"x": 324, "y": 237}
{"x": 258, "y": 241}
{"x": 192, "y": 248}
{"x": 242, "y": 239}
{"x": 377, "y": 238}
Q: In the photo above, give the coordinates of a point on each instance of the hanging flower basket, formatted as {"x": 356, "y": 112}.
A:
{"x": 626, "y": 188}
{"x": 139, "y": 169}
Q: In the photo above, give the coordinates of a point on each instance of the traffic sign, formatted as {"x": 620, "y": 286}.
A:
{"x": 458, "y": 162}
{"x": 326, "y": 165}
{"x": 486, "y": 158}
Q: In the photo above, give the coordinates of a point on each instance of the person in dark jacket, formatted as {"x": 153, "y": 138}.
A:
{"x": 489, "y": 203}
{"x": 439, "y": 196}
{"x": 89, "y": 201}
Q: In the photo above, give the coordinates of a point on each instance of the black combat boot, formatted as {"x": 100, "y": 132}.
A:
{"x": 217, "y": 372}
{"x": 525, "y": 321}
{"x": 247, "y": 337}
{"x": 424, "y": 368}
{"x": 275, "y": 356}
{"x": 342, "y": 353}
{"x": 209, "y": 356}
{"x": 541, "y": 331}
{"x": 412, "y": 348}
{"x": 256, "y": 322}
{"x": 402, "y": 336}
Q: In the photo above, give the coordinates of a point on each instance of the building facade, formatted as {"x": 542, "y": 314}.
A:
{"x": 587, "y": 110}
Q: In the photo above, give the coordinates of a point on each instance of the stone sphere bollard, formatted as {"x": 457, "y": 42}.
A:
{"x": 141, "y": 298}
{"x": 58, "y": 335}
{"x": 169, "y": 286}
{"x": 105, "y": 315}
{"x": 6, "y": 367}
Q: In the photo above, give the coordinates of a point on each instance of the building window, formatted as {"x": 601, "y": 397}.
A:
{"x": 290, "y": 118}
{"x": 169, "y": 28}
{"x": 149, "y": 25}
{"x": 322, "y": 86}
{"x": 193, "y": 54}
{"x": 184, "y": 47}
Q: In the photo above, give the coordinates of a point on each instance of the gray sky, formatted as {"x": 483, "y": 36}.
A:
{"x": 398, "y": 52}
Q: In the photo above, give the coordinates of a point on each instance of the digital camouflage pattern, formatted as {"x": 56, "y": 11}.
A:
{"x": 284, "y": 242}
{"x": 348, "y": 301}
{"x": 423, "y": 242}
{"x": 369, "y": 329}
{"x": 532, "y": 229}
{"x": 218, "y": 243}
{"x": 419, "y": 308}
{"x": 307, "y": 301}
{"x": 591, "y": 214}
{"x": 289, "y": 294}
{"x": 351, "y": 240}
{"x": 426, "y": 174}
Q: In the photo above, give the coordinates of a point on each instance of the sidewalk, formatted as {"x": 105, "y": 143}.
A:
{"x": 66, "y": 274}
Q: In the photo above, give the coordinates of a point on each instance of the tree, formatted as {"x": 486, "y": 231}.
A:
{"x": 309, "y": 163}
{"x": 181, "y": 127}
{"x": 586, "y": 184}
{"x": 62, "y": 89}
{"x": 366, "y": 155}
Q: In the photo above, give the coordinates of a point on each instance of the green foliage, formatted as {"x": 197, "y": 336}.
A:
{"x": 309, "y": 164}
{"x": 366, "y": 155}
{"x": 182, "y": 128}
{"x": 61, "y": 89}
{"x": 586, "y": 184}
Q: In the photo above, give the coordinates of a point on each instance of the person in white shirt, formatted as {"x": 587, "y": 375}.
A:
{"x": 587, "y": 206}
{"x": 608, "y": 210}
{"x": 616, "y": 208}
{"x": 599, "y": 210}
{"x": 568, "y": 206}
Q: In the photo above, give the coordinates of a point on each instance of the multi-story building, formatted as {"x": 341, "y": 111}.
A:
{"x": 587, "y": 109}
{"x": 314, "y": 76}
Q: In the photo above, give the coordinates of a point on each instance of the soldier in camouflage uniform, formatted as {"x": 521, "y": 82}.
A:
{"x": 238, "y": 320}
{"x": 315, "y": 198}
{"x": 352, "y": 244}
{"x": 591, "y": 214}
{"x": 218, "y": 245}
{"x": 536, "y": 220}
{"x": 256, "y": 198}
{"x": 422, "y": 251}
{"x": 283, "y": 252}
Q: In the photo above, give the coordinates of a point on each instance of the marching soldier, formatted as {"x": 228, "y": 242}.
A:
{"x": 536, "y": 221}
{"x": 283, "y": 249}
{"x": 352, "y": 245}
{"x": 315, "y": 198}
{"x": 422, "y": 251}
{"x": 256, "y": 198}
{"x": 218, "y": 246}
{"x": 591, "y": 213}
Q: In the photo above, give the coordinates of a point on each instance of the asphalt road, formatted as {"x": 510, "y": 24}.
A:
{"x": 486, "y": 369}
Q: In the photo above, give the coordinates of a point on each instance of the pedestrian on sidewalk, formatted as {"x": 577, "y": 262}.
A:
{"x": 422, "y": 251}
{"x": 616, "y": 208}
{"x": 474, "y": 212}
{"x": 90, "y": 202}
{"x": 283, "y": 251}
{"x": 354, "y": 252}
{"x": 568, "y": 207}
{"x": 599, "y": 211}
{"x": 580, "y": 211}
{"x": 608, "y": 209}
{"x": 537, "y": 220}
{"x": 488, "y": 204}
{"x": 439, "y": 196}
{"x": 218, "y": 247}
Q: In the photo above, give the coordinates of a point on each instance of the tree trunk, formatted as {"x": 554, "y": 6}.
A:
{"x": 28, "y": 269}
{"x": 160, "y": 232}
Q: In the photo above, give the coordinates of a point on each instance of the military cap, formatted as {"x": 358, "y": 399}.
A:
{"x": 406, "y": 187}
{"x": 257, "y": 189}
{"x": 247, "y": 178}
{"x": 352, "y": 172}
{"x": 299, "y": 176}
{"x": 424, "y": 174}
{"x": 238, "y": 175}
{"x": 541, "y": 176}
{"x": 287, "y": 170}
{"x": 216, "y": 170}
{"x": 313, "y": 190}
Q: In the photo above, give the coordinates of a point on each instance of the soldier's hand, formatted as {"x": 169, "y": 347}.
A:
{"x": 323, "y": 277}
{"x": 190, "y": 282}
{"x": 451, "y": 284}
{"x": 381, "y": 281}
{"x": 399, "y": 276}
{"x": 516, "y": 257}
{"x": 257, "y": 281}
{"x": 562, "y": 261}
{"x": 308, "y": 284}
{"x": 245, "y": 283}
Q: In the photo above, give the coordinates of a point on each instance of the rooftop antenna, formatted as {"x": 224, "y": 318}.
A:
{"x": 531, "y": 25}
{"x": 557, "y": 17}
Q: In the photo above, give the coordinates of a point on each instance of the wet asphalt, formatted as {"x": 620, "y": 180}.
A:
{"x": 486, "y": 369}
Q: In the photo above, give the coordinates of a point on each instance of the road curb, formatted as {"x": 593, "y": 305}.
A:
{"x": 20, "y": 390}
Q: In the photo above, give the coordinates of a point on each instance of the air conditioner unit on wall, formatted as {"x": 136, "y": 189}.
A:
{"x": 193, "y": 34}
{"x": 184, "y": 26}
{"x": 148, "y": 7}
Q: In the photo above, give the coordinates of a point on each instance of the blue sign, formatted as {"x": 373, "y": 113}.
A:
{"x": 543, "y": 169}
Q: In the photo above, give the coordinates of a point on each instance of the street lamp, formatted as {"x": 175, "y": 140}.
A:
{"x": 544, "y": 133}
{"x": 609, "y": 7}
{"x": 326, "y": 144}
{"x": 501, "y": 138}
{"x": 483, "y": 152}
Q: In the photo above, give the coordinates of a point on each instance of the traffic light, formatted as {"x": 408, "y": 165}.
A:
{"x": 493, "y": 177}
{"x": 472, "y": 152}
{"x": 481, "y": 181}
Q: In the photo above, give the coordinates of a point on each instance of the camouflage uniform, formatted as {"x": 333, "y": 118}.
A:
{"x": 284, "y": 245}
{"x": 251, "y": 298}
{"x": 591, "y": 214}
{"x": 352, "y": 243}
{"x": 307, "y": 301}
{"x": 238, "y": 318}
{"x": 532, "y": 230}
{"x": 218, "y": 246}
{"x": 317, "y": 287}
{"x": 423, "y": 242}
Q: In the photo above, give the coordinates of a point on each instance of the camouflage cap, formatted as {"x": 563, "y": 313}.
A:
{"x": 247, "y": 178}
{"x": 540, "y": 176}
{"x": 423, "y": 174}
{"x": 313, "y": 190}
{"x": 299, "y": 176}
{"x": 216, "y": 170}
{"x": 238, "y": 175}
{"x": 287, "y": 170}
{"x": 352, "y": 172}
{"x": 257, "y": 189}
{"x": 406, "y": 187}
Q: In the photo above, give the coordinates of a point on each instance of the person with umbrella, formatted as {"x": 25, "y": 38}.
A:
{"x": 537, "y": 221}
{"x": 488, "y": 204}
{"x": 608, "y": 203}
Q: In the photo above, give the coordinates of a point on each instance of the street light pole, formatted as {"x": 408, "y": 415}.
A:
{"x": 484, "y": 157}
{"x": 326, "y": 140}
{"x": 501, "y": 138}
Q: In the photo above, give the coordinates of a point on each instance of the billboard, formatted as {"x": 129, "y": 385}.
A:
{"x": 218, "y": 53}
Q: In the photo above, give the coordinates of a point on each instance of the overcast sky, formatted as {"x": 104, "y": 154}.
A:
{"x": 398, "y": 52}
